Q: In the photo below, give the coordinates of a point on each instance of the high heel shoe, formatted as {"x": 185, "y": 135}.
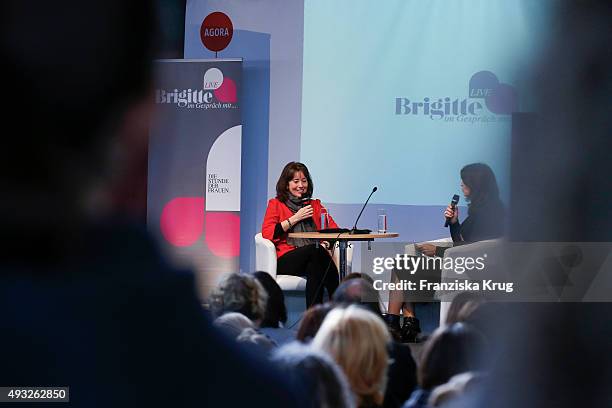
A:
{"x": 410, "y": 330}
{"x": 393, "y": 323}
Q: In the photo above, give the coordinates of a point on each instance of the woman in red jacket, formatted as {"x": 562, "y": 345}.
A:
{"x": 288, "y": 213}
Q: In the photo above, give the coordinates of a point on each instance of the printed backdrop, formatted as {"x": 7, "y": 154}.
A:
{"x": 399, "y": 94}
{"x": 194, "y": 185}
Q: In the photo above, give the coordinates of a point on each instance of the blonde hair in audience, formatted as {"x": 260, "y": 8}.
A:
{"x": 357, "y": 339}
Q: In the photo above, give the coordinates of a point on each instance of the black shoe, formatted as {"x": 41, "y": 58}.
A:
{"x": 410, "y": 330}
{"x": 393, "y": 323}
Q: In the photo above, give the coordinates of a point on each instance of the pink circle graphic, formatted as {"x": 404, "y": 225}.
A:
{"x": 182, "y": 221}
{"x": 227, "y": 91}
{"x": 223, "y": 233}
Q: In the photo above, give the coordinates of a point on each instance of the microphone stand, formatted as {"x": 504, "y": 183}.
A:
{"x": 352, "y": 231}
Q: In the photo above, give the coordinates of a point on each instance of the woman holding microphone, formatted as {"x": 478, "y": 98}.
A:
{"x": 485, "y": 220}
{"x": 293, "y": 210}
{"x": 486, "y": 212}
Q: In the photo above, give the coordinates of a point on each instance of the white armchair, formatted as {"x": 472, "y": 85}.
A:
{"x": 469, "y": 250}
{"x": 473, "y": 250}
{"x": 265, "y": 260}
{"x": 443, "y": 242}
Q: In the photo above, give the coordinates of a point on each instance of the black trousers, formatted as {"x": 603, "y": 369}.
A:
{"x": 316, "y": 265}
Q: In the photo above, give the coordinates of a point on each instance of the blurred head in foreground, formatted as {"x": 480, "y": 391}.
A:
{"x": 463, "y": 305}
{"x": 449, "y": 351}
{"x": 312, "y": 321}
{"x": 357, "y": 340}
{"x": 276, "y": 311}
{"x": 81, "y": 73}
{"x": 458, "y": 386}
{"x": 560, "y": 354}
{"x": 317, "y": 373}
{"x": 242, "y": 293}
{"x": 358, "y": 291}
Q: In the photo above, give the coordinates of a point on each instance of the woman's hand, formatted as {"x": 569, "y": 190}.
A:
{"x": 426, "y": 249}
{"x": 451, "y": 213}
{"x": 303, "y": 213}
{"x": 329, "y": 248}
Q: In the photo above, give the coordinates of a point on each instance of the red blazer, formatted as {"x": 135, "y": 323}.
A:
{"x": 278, "y": 212}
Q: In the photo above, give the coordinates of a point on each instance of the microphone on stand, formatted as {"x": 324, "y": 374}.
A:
{"x": 453, "y": 204}
{"x": 353, "y": 230}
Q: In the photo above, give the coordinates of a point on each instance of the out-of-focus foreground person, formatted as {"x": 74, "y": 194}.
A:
{"x": 241, "y": 293}
{"x": 312, "y": 321}
{"x": 401, "y": 373}
{"x": 275, "y": 317}
{"x": 560, "y": 354}
{"x": 451, "y": 350}
{"x": 315, "y": 370}
{"x": 357, "y": 340}
{"x": 85, "y": 299}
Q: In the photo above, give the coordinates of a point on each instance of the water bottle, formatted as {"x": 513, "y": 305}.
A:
{"x": 324, "y": 218}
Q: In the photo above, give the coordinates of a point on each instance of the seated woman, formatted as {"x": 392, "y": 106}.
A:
{"x": 486, "y": 213}
{"x": 485, "y": 220}
{"x": 293, "y": 211}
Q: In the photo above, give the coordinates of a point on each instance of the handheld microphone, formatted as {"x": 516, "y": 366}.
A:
{"x": 363, "y": 208}
{"x": 453, "y": 204}
{"x": 304, "y": 201}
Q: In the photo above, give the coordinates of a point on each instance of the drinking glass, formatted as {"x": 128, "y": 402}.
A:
{"x": 382, "y": 221}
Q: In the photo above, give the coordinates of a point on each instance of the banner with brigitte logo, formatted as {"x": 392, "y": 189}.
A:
{"x": 194, "y": 165}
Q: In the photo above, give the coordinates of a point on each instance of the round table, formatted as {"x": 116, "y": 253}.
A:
{"x": 343, "y": 238}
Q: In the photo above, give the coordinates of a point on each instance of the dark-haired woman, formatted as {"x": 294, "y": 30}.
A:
{"x": 288, "y": 212}
{"x": 485, "y": 220}
{"x": 486, "y": 213}
{"x": 451, "y": 350}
